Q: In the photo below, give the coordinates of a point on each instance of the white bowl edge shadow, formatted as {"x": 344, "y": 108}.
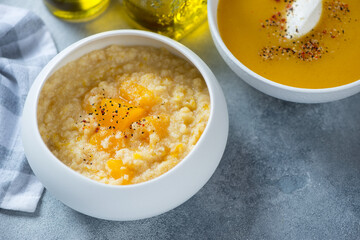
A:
{"x": 136, "y": 201}
{"x": 280, "y": 91}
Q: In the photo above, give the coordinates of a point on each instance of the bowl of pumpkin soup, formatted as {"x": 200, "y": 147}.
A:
{"x": 124, "y": 125}
{"x": 301, "y": 51}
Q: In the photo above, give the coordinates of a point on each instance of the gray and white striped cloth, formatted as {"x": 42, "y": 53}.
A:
{"x": 25, "y": 47}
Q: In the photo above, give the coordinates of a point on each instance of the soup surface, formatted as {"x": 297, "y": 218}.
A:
{"x": 328, "y": 56}
{"x": 123, "y": 115}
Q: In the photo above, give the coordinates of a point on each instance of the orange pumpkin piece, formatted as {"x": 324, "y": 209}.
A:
{"x": 139, "y": 95}
{"x": 118, "y": 170}
{"x": 117, "y": 114}
{"x": 159, "y": 123}
{"x": 113, "y": 144}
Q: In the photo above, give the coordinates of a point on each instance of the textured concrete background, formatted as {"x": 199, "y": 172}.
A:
{"x": 290, "y": 171}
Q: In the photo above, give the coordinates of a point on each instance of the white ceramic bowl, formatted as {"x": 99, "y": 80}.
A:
{"x": 301, "y": 95}
{"x": 133, "y": 201}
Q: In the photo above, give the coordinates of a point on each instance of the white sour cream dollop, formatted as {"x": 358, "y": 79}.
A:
{"x": 302, "y": 17}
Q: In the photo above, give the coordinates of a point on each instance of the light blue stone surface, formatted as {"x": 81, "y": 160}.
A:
{"x": 290, "y": 171}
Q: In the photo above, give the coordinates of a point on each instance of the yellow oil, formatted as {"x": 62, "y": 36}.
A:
{"x": 76, "y": 10}
{"x": 173, "y": 18}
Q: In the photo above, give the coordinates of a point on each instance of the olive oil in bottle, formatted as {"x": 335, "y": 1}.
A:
{"x": 173, "y": 18}
{"x": 76, "y": 10}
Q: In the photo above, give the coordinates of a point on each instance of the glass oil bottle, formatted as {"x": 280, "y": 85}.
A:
{"x": 173, "y": 18}
{"x": 76, "y": 10}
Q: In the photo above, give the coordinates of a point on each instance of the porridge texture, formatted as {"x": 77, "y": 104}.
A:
{"x": 123, "y": 115}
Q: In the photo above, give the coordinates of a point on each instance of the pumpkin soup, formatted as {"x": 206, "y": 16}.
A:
{"x": 328, "y": 56}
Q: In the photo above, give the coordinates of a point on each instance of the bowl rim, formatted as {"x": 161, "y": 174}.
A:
{"x": 184, "y": 53}
{"x": 212, "y": 19}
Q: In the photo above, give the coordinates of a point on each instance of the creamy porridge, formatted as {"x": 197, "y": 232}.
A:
{"x": 123, "y": 115}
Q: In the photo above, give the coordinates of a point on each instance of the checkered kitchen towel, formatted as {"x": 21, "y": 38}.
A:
{"x": 25, "y": 47}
